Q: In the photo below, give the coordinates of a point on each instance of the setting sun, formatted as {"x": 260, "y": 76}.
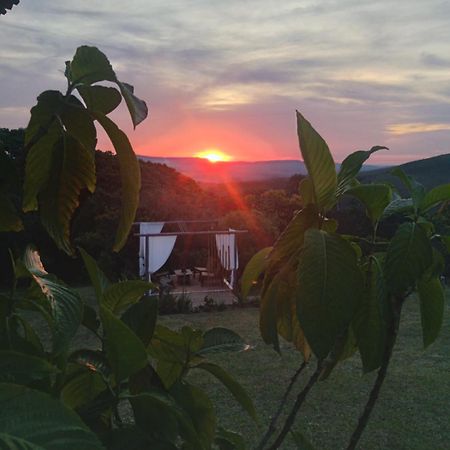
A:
{"x": 213, "y": 155}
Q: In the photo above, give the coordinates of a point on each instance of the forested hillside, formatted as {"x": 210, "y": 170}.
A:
{"x": 264, "y": 208}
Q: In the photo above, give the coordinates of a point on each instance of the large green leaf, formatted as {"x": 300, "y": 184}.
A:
{"x": 7, "y": 4}
{"x": 90, "y": 319}
{"x": 238, "y": 392}
{"x": 93, "y": 360}
{"x": 57, "y": 167}
{"x": 434, "y": 196}
{"x": 141, "y": 318}
{"x": 344, "y": 347}
{"x": 82, "y": 386}
{"x": 288, "y": 326}
{"x": 78, "y": 123}
{"x": 168, "y": 348}
{"x": 174, "y": 351}
{"x": 278, "y": 312}
{"x": 43, "y": 114}
{"x": 119, "y": 296}
{"x": 416, "y": 189}
{"x": 306, "y": 191}
{"x": 409, "y": 254}
{"x": 9, "y": 219}
{"x": 65, "y": 304}
{"x": 432, "y": 305}
{"x": 254, "y": 268}
{"x": 89, "y": 65}
{"x": 199, "y": 408}
{"x": 132, "y": 437}
{"x": 268, "y": 312}
{"x": 98, "y": 278}
{"x": 130, "y": 175}
{"x": 100, "y": 98}
{"x": 375, "y": 197}
{"x": 14, "y": 443}
{"x": 40, "y": 420}
{"x": 38, "y": 166}
{"x": 287, "y": 249}
{"x": 319, "y": 163}
{"x": 221, "y": 339}
{"x": 31, "y": 336}
{"x": 403, "y": 206}
{"x": 42, "y": 133}
{"x": 330, "y": 286}
{"x": 73, "y": 170}
{"x": 162, "y": 419}
{"x": 137, "y": 107}
{"x": 229, "y": 440}
{"x": 157, "y": 415}
{"x": 124, "y": 349}
{"x": 290, "y": 241}
{"x": 369, "y": 323}
{"x": 351, "y": 166}
{"x": 15, "y": 339}
{"x": 21, "y": 368}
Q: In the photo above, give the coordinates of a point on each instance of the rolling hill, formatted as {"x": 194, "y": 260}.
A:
{"x": 205, "y": 171}
{"x": 430, "y": 172}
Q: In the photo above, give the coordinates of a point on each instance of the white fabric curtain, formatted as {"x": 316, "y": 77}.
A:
{"x": 160, "y": 248}
{"x": 146, "y": 228}
{"x": 227, "y": 251}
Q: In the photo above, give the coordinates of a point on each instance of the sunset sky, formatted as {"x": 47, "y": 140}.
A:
{"x": 228, "y": 75}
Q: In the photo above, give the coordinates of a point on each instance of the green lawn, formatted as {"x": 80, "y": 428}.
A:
{"x": 413, "y": 411}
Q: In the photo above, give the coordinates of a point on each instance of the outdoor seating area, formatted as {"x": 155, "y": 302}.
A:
{"x": 216, "y": 275}
{"x": 194, "y": 278}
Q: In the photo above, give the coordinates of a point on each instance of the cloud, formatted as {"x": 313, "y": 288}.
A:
{"x": 430, "y": 59}
{"x": 365, "y": 72}
{"x": 399, "y": 129}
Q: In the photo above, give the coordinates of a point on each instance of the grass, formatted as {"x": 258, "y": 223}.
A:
{"x": 412, "y": 412}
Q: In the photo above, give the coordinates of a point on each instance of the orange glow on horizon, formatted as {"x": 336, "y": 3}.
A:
{"x": 213, "y": 155}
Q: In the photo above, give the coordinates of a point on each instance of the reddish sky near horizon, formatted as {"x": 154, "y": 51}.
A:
{"x": 230, "y": 75}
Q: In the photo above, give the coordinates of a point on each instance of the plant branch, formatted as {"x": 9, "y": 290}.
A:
{"x": 272, "y": 426}
{"x": 298, "y": 403}
{"x": 390, "y": 342}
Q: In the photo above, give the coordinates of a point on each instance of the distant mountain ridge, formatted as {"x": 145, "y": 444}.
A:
{"x": 429, "y": 171}
{"x": 205, "y": 171}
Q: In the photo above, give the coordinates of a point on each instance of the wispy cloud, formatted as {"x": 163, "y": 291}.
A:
{"x": 399, "y": 129}
{"x": 364, "y": 72}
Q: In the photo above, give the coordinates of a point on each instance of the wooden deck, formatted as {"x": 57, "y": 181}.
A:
{"x": 197, "y": 292}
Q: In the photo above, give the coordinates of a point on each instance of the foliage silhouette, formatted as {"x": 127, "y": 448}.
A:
{"x": 61, "y": 396}
{"x": 332, "y": 294}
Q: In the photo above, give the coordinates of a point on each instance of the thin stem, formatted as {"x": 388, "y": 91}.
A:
{"x": 298, "y": 403}
{"x": 390, "y": 342}
{"x": 272, "y": 426}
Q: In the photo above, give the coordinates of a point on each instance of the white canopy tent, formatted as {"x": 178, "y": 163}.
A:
{"x": 155, "y": 247}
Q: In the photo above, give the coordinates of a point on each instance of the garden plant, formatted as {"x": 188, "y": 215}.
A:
{"x": 332, "y": 294}
{"x": 327, "y": 293}
{"x": 130, "y": 391}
